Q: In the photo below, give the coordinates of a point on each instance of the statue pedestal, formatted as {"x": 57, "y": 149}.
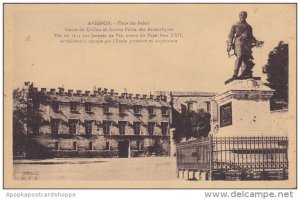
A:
{"x": 244, "y": 109}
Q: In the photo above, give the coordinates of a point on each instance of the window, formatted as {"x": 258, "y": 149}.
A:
{"x": 90, "y": 145}
{"x": 151, "y": 110}
{"x": 105, "y": 108}
{"x": 208, "y": 106}
{"x": 56, "y": 105}
{"x": 106, "y": 127}
{"x": 190, "y": 106}
{"x": 164, "y": 110}
{"x": 73, "y": 106}
{"x": 151, "y": 126}
{"x": 122, "y": 127}
{"x": 75, "y": 146}
{"x": 137, "y": 109}
{"x": 56, "y": 146}
{"x": 88, "y": 107}
{"x": 72, "y": 126}
{"x": 136, "y": 128}
{"x": 139, "y": 145}
{"x": 121, "y": 108}
{"x": 88, "y": 126}
{"x": 107, "y": 146}
{"x": 54, "y": 126}
{"x": 164, "y": 128}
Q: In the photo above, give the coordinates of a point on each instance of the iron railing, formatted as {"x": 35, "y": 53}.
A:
{"x": 257, "y": 154}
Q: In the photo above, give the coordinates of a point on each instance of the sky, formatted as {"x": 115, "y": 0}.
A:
{"x": 197, "y": 62}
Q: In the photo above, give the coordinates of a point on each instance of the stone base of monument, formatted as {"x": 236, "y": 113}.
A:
{"x": 244, "y": 108}
{"x": 241, "y": 78}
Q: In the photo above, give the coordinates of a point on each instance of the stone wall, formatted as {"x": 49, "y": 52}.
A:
{"x": 48, "y": 147}
{"x": 45, "y": 143}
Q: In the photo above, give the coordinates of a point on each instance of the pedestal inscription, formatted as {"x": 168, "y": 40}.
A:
{"x": 226, "y": 115}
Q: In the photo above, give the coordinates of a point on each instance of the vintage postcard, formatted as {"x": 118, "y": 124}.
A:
{"x": 150, "y": 96}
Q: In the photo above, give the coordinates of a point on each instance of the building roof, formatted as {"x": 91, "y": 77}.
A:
{"x": 185, "y": 93}
{"x": 101, "y": 99}
{"x": 192, "y": 94}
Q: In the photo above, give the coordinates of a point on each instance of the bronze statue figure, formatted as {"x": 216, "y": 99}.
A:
{"x": 241, "y": 40}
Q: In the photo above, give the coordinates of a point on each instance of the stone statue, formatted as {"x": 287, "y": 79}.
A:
{"x": 241, "y": 40}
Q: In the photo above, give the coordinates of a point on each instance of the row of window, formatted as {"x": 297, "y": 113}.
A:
{"x": 139, "y": 145}
{"x": 106, "y": 127}
{"x": 122, "y": 108}
{"x": 75, "y": 146}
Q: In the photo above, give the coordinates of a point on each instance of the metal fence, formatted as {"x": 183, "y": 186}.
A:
{"x": 255, "y": 155}
{"x": 194, "y": 155}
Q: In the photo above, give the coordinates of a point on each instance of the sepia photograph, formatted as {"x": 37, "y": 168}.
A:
{"x": 150, "y": 95}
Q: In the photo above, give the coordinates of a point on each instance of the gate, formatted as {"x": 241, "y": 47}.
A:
{"x": 194, "y": 155}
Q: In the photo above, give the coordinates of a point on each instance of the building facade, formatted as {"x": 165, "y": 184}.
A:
{"x": 182, "y": 102}
{"x": 187, "y": 101}
{"x": 98, "y": 124}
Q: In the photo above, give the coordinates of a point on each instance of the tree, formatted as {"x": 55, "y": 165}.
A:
{"x": 19, "y": 121}
{"x": 200, "y": 123}
{"x": 156, "y": 148}
{"x": 191, "y": 125}
{"x": 182, "y": 125}
{"x": 26, "y": 119}
{"x": 277, "y": 75}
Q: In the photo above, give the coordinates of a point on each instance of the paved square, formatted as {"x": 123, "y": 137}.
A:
{"x": 114, "y": 169}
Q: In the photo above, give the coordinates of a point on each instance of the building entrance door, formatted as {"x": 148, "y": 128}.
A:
{"x": 123, "y": 147}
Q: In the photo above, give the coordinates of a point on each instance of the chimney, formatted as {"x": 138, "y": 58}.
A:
{"x": 151, "y": 96}
{"x": 116, "y": 94}
{"x": 87, "y": 93}
{"x": 111, "y": 92}
{"x": 130, "y": 96}
{"x": 104, "y": 91}
{"x": 35, "y": 89}
{"x": 144, "y": 96}
{"x": 99, "y": 90}
{"x": 70, "y": 92}
{"x": 43, "y": 90}
{"x": 78, "y": 92}
{"x": 164, "y": 98}
{"x": 61, "y": 90}
{"x": 52, "y": 91}
{"x": 137, "y": 96}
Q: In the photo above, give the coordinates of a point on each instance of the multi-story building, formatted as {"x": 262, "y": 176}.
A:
{"x": 182, "y": 102}
{"x": 186, "y": 101}
{"x": 98, "y": 124}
